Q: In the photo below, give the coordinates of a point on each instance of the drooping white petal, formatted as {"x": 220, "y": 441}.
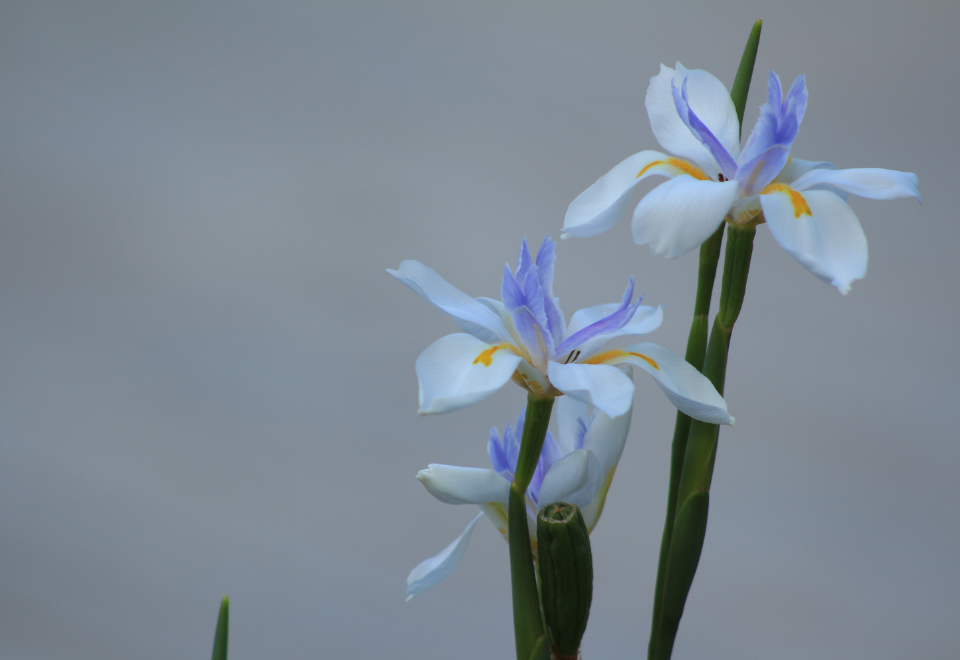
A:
{"x": 459, "y": 370}
{"x": 471, "y": 315}
{"x": 689, "y": 390}
{"x": 434, "y": 570}
{"x": 825, "y": 237}
{"x": 602, "y": 205}
{"x": 574, "y": 479}
{"x": 682, "y": 213}
{"x": 871, "y": 182}
{"x": 573, "y": 418}
{"x": 607, "y": 436}
{"x": 463, "y": 485}
{"x": 604, "y": 387}
{"x": 711, "y": 102}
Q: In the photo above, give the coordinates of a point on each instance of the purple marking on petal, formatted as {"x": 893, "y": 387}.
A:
{"x": 768, "y": 147}
{"x": 606, "y": 325}
{"x": 700, "y": 130}
{"x": 579, "y": 434}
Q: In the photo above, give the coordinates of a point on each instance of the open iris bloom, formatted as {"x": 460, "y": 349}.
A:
{"x": 576, "y": 468}
{"x": 712, "y": 180}
{"x": 525, "y": 338}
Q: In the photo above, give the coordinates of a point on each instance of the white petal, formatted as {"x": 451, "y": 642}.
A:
{"x": 796, "y": 167}
{"x": 681, "y": 213}
{"x": 570, "y": 415}
{"x": 459, "y": 370}
{"x": 434, "y": 570}
{"x": 607, "y": 436}
{"x": 602, "y": 205}
{"x": 874, "y": 183}
{"x": 709, "y": 99}
{"x": 829, "y": 242}
{"x": 689, "y": 390}
{"x": 574, "y": 479}
{"x": 606, "y": 388}
{"x": 463, "y": 485}
{"x": 471, "y": 315}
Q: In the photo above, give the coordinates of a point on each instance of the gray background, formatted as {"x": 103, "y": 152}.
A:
{"x": 207, "y": 376}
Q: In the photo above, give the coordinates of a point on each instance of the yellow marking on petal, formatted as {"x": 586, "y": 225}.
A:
{"x": 800, "y": 206}
{"x": 682, "y": 165}
{"x": 616, "y": 355}
{"x": 486, "y": 357}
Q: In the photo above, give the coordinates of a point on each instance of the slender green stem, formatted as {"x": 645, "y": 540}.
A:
{"x": 223, "y": 628}
{"x": 693, "y": 493}
{"x": 527, "y": 622}
{"x": 697, "y": 343}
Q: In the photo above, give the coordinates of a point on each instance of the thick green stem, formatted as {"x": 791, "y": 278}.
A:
{"x": 696, "y": 350}
{"x": 697, "y": 343}
{"x": 527, "y": 622}
{"x": 693, "y": 493}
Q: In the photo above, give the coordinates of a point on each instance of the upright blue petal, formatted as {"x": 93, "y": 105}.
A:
{"x": 546, "y": 258}
{"x": 720, "y": 154}
{"x": 610, "y": 323}
{"x": 768, "y": 147}
{"x": 526, "y": 300}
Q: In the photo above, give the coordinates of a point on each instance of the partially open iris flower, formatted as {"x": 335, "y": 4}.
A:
{"x": 524, "y": 337}
{"x": 576, "y": 468}
{"x": 712, "y": 180}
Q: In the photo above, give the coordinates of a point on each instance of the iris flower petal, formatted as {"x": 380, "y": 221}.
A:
{"x": 692, "y": 393}
{"x": 682, "y": 213}
{"x": 871, "y": 182}
{"x": 606, "y": 388}
{"x": 825, "y": 237}
{"x": 711, "y": 102}
{"x": 434, "y": 570}
{"x": 462, "y": 485}
{"x": 459, "y": 370}
{"x": 574, "y": 479}
{"x": 471, "y": 316}
{"x": 602, "y": 205}
{"x": 604, "y": 326}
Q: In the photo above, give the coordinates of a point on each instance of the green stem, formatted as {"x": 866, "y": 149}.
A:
{"x": 696, "y": 350}
{"x": 697, "y": 342}
{"x": 527, "y": 622}
{"x": 693, "y": 493}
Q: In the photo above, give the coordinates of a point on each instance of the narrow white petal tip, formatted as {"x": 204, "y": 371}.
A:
{"x": 566, "y": 235}
{"x": 733, "y": 421}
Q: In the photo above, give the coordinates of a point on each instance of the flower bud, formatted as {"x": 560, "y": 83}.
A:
{"x": 566, "y": 576}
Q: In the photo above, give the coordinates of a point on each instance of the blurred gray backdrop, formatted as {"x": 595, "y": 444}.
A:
{"x": 207, "y": 376}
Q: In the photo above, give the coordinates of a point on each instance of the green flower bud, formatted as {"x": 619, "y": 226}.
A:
{"x": 566, "y": 576}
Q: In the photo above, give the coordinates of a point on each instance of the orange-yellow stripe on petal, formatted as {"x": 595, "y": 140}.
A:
{"x": 486, "y": 357}
{"x": 800, "y": 206}
{"x": 682, "y": 165}
{"x": 618, "y": 355}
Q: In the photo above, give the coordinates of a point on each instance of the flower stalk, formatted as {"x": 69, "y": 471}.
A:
{"x": 527, "y": 622}
{"x": 697, "y": 342}
{"x": 693, "y": 490}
